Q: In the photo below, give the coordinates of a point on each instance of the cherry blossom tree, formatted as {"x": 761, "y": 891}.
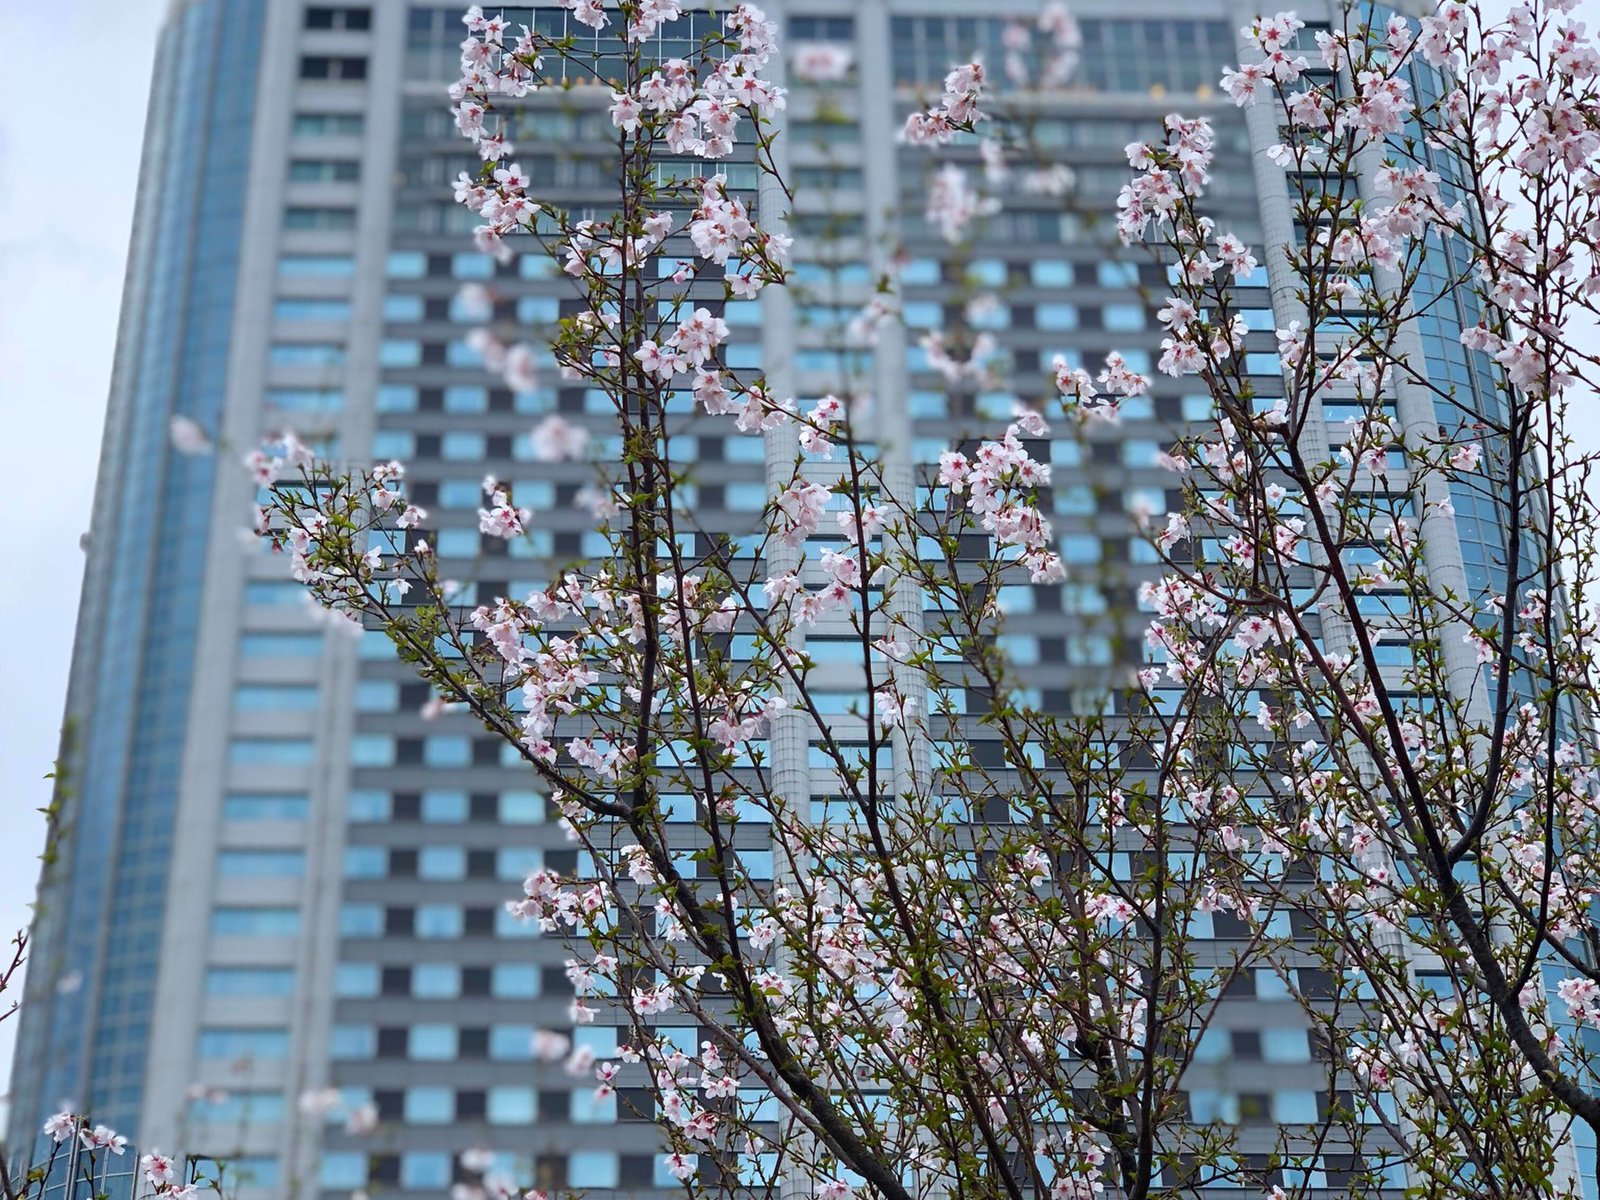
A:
{"x": 983, "y": 959}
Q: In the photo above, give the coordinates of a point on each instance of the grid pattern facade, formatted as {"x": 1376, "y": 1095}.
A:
{"x": 345, "y": 920}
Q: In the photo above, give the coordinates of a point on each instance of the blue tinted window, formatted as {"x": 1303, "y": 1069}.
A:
{"x": 440, "y": 921}
{"x": 349, "y": 1042}
{"x": 254, "y": 1170}
{"x": 512, "y": 1105}
{"x": 255, "y": 922}
{"x": 342, "y": 1169}
{"x": 430, "y": 1105}
{"x": 424, "y": 1170}
{"x": 306, "y": 354}
{"x": 444, "y": 807}
{"x": 515, "y": 981}
{"x": 361, "y": 920}
{"x": 324, "y": 266}
{"x": 433, "y": 1042}
{"x": 276, "y": 752}
{"x": 365, "y": 862}
{"x": 402, "y": 308}
{"x": 265, "y": 806}
{"x": 274, "y": 592}
{"x": 372, "y": 750}
{"x": 250, "y": 981}
{"x": 592, "y": 1168}
{"x": 305, "y": 309}
{"x": 436, "y": 981}
{"x": 275, "y": 697}
{"x": 280, "y": 645}
{"x": 261, "y": 864}
{"x": 442, "y": 862}
{"x": 244, "y": 1043}
{"x": 365, "y": 805}
{"x": 356, "y": 980}
{"x": 407, "y": 264}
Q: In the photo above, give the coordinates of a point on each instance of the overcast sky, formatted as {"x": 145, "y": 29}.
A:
{"x": 69, "y": 158}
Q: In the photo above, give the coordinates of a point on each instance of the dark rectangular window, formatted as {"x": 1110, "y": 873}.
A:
{"x": 334, "y": 67}
{"x": 338, "y": 16}
{"x": 341, "y": 219}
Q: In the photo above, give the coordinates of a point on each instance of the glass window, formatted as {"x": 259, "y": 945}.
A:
{"x": 306, "y": 354}
{"x": 1048, "y": 273}
{"x": 593, "y": 1169}
{"x": 444, "y": 807}
{"x": 255, "y": 922}
{"x": 458, "y": 446}
{"x": 377, "y": 695}
{"x": 406, "y": 264}
{"x": 1117, "y": 274}
{"x": 538, "y": 310}
{"x": 433, "y": 1043}
{"x": 1294, "y": 1107}
{"x": 342, "y": 1169}
{"x": 442, "y": 862}
{"x": 521, "y": 808}
{"x": 365, "y": 862}
{"x": 400, "y": 352}
{"x": 367, "y": 805}
{"x": 396, "y": 397}
{"x": 514, "y": 981}
{"x": 472, "y": 266}
{"x": 512, "y": 1105}
{"x": 261, "y": 864}
{"x": 510, "y": 1043}
{"x": 263, "y": 1044}
{"x": 273, "y": 752}
{"x": 601, "y": 1040}
{"x": 250, "y": 981}
{"x": 402, "y": 308}
{"x": 276, "y": 697}
{"x": 254, "y": 1170}
{"x": 356, "y": 980}
{"x": 448, "y": 750}
{"x": 587, "y": 1109}
{"x": 440, "y": 921}
{"x": 430, "y": 1105}
{"x": 328, "y": 124}
{"x": 271, "y": 592}
{"x": 991, "y": 272}
{"x": 372, "y": 750}
{"x": 1056, "y": 316}
{"x": 347, "y": 1042}
{"x": 361, "y": 920}
{"x": 280, "y": 645}
{"x": 463, "y": 399}
{"x": 518, "y": 862}
{"x": 1123, "y": 318}
{"x": 436, "y": 981}
{"x": 314, "y": 400}
{"x": 324, "y": 217}
{"x": 235, "y": 1108}
{"x": 424, "y": 1170}
{"x": 265, "y": 806}
{"x": 298, "y": 308}
{"x": 1285, "y": 1046}
{"x": 325, "y": 266}
{"x": 394, "y": 443}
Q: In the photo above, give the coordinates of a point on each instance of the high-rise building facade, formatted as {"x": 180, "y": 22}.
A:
{"x": 279, "y": 878}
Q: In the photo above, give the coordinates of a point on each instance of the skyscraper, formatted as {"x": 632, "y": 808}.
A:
{"x": 279, "y": 878}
